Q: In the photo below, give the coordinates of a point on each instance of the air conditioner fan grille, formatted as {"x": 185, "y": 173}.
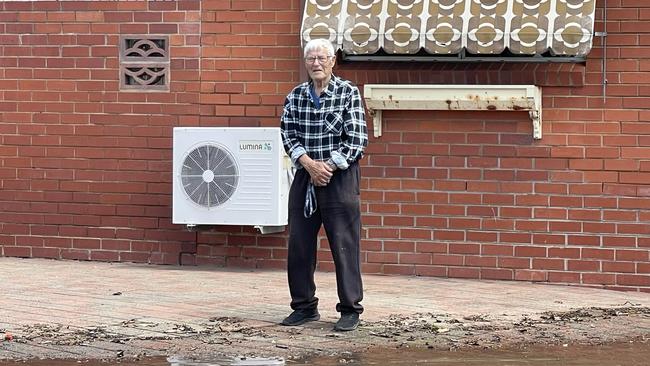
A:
{"x": 209, "y": 175}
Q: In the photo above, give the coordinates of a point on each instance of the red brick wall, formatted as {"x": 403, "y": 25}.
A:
{"x": 473, "y": 195}
{"x": 251, "y": 60}
{"x": 85, "y": 170}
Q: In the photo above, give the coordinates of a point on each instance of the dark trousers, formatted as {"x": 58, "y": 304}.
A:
{"x": 339, "y": 212}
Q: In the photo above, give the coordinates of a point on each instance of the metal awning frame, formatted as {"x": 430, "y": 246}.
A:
{"x": 380, "y": 97}
{"x": 434, "y": 58}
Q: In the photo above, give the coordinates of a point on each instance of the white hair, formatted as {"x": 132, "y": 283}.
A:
{"x": 317, "y": 44}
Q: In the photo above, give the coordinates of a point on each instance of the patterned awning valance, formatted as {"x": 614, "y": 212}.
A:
{"x": 448, "y": 27}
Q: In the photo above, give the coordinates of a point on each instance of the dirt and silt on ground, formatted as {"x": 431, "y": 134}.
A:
{"x": 235, "y": 337}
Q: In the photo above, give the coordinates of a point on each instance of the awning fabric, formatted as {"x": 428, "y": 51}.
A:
{"x": 447, "y": 27}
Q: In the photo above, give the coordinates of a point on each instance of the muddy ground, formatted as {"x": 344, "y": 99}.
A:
{"x": 228, "y": 336}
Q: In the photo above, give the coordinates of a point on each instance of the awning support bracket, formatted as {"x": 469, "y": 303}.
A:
{"x": 379, "y": 97}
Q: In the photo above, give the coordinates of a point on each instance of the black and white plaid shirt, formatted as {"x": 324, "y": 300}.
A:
{"x": 338, "y": 125}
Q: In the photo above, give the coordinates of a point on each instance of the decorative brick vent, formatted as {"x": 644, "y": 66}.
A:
{"x": 144, "y": 63}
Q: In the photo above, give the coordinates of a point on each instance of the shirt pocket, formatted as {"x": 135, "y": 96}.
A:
{"x": 333, "y": 123}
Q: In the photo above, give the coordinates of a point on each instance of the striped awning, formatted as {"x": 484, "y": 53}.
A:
{"x": 448, "y": 27}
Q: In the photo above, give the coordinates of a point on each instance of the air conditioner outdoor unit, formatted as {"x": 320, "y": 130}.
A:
{"x": 230, "y": 176}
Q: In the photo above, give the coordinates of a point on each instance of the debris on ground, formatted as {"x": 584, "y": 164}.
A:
{"x": 236, "y": 336}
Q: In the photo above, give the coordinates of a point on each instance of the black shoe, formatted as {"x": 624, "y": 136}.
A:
{"x": 299, "y": 317}
{"x": 348, "y": 321}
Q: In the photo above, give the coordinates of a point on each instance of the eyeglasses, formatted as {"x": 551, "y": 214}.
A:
{"x": 321, "y": 59}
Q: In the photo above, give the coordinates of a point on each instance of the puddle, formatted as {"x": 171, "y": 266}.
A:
{"x": 241, "y": 361}
{"x": 156, "y": 361}
{"x": 631, "y": 354}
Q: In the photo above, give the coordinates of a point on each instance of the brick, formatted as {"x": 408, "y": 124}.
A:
{"x": 398, "y": 221}
{"x": 417, "y": 210}
{"x": 104, "y": 256}
{"x": 633, "y": 280}
{"x": 512, "y": 262}
{"x": 619, "y": 241}
{"x": 548, "y": 264}
{"x": 516, "y": 237}
{"x": 584, "y": 240}
{"x": 433, "y": 271}
{"x": 496, "y": 274}
{"x": 619, "y": 190}
{"x": 583, "y": 265}
{"x": 534, "y": 276}
{"x": 597, "y": 253}
{"x": 85, "y": 243}
{"x": 641, "y": 229}
{"x": 415, "y": 258}
{"x": 444, "y": 210}
{"x": 428, "y": 247}
{"x": 52, "y": 253}
{"x": 399, "y": 246}
{"x": 530, "y": 251}
{"x": 481, "y": 236}
{"x": 75, "y": 254}
{"x": 408, "y": 270}
{"x": 89, "y": 16}
{"x": 619, "y": 215}
{"x": 383, "y": 208}
{"x": 12, "y": 251}
{"x": 444, "y": 259}
{"x": 620, "y": 267}
{"x": 479, "y": 261}
{"x": 586, "y": 115}
{"x": 550, "y": 213}
{"x": 634, "y": 177}
{"x": 464, "y": 223}
{"x": 564, "y": 277}
{"x": 586, "y": 164}
{"x": 464, "y": 248}
{"x": 455, "y": 272}
{"x": 448, "y": 235}
{"x": 564, "y": 253}
{"x": 622, "y": 165}
{"x": 424, "y": 234}
{"x": 599, "y": 278}
{"x": 382, "y": 257}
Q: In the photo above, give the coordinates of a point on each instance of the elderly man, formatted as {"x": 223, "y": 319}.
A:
{"x": 324, "y": 132}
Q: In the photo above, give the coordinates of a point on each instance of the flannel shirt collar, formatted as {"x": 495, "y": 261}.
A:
{"x": 331, "y": 86}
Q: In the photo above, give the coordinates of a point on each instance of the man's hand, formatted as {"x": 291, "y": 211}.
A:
{"x": 319, "y": 171}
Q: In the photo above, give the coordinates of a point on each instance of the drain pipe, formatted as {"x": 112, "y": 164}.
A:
{"x": 603, "y": 41}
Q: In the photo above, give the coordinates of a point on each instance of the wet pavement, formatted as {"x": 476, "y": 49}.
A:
{"x": 626, "y": 354}
{"x": 124, "y": 312}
